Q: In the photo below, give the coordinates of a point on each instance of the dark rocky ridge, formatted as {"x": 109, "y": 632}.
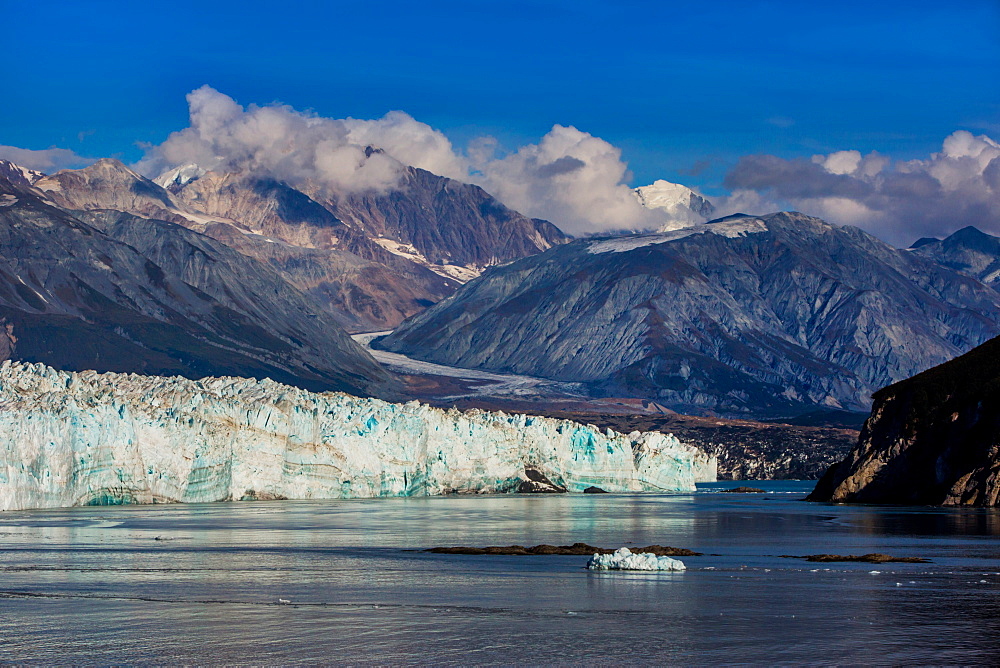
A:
{"x": 933, "y": 439}
{"x": 75, "y": 297}
{"x": 769, "y": 316}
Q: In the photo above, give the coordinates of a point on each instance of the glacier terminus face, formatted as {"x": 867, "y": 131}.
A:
{"x": 91, "y": 438}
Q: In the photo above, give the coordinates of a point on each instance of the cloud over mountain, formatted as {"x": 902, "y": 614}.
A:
{"x": 570, "y": 177}
{"x": 576, "y": 180}
{"x": 896, "y": 200}
{"x": 287, "y": 144}
{"x": 44, "y": 160}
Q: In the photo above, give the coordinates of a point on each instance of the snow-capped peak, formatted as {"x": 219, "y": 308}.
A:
{"x": 179, "y": 176}
{"x": 682, "y": 206}
{"x": 18, "y": 174}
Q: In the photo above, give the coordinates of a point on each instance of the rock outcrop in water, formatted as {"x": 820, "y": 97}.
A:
{"x": 90, "y": 438}
{"x": 933, "y": 439}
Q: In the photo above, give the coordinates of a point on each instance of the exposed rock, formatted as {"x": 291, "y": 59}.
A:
{"x": 445, "y": 221}
{"x": 764, "y": 316}
{"x": 574, "y": 549}
{"x": 537, "y": 483}
{"x": 595, "y": 490}
{"x": 873, "y": 558}
{"x": 933, "y": 439}
{"x": 363, "y": 294}
{"x": 968, "y": 251}
{"x": 744, "y": 490}
{"x": 108, "y": 184}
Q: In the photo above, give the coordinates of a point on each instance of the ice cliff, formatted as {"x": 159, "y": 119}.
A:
{"x": 84, "y": 438}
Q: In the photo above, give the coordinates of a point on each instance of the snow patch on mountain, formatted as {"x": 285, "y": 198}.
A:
{"x": 17, "y": 174}
{"x": 730, "y": 228}
{"x": 454, "y": 272}
{"x": 682, "y": 206}
{"x": 180, "y": 176}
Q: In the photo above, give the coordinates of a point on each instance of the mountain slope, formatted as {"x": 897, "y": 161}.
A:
{"x": 743, "y": 315}
{"x": 933, "y": 439}
{"x": 968, "y": 251}
{"x": 446, "y": 221}
{"x": 76, "y": 298}
{"x": 231, "y": 207}
{"x": 371, "y": 259}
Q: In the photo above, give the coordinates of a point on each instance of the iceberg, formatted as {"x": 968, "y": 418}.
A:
{"x": 624, "y": 560}
{"x": 89, "y": 438}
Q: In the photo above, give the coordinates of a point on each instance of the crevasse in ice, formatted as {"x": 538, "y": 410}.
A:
{"x": 103, "y": 438}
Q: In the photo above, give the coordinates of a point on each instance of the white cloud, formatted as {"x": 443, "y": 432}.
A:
{"x": 45, "y": 160}
{"x": 570, "y": 177}
{"x": 409, "y": 141}
{"x": 898, "y": 201}
{"x": 300, "y": 147}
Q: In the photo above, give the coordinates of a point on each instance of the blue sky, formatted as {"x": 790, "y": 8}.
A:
{"x": 682, "y": 88}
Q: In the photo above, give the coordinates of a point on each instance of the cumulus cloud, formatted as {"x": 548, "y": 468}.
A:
{"x": 301, "y": 147}
{"x": 570, "y": 177}
{"x": 896, "y": 200}
{"x": 409, "y": 141}
{"x": 45, "y": 160}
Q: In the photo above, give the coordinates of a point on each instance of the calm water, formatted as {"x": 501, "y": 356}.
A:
{"x": 202, "y": 583}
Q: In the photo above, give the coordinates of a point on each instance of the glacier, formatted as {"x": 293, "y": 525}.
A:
{"x": 89, "y": 438}
{"x": 623, "y": 559}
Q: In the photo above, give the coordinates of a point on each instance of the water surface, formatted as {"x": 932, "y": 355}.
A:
{"x": 205, "y": 583}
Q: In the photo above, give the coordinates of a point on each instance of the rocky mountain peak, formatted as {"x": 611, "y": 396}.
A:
{"x": 969, "y": 251}
{"x": 108, "y": 184}
{"x": 18, "y": 175}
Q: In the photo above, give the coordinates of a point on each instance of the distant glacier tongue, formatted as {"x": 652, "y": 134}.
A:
{"x": 105, "y": 438}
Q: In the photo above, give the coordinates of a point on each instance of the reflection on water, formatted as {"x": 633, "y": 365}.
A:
{"x": 205, "y": 583}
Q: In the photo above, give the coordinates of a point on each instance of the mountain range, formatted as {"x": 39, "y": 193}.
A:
{"x": 209, "y": 272}
{"x": 370, "y": 258}
{"x": 752, "y": 315}
{"x": 110, "y": 291}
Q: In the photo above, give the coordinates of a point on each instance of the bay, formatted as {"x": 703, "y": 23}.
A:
{"x": 349, "y": 582}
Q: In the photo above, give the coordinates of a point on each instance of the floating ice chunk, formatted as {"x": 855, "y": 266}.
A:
{"x": 624, "y": 560}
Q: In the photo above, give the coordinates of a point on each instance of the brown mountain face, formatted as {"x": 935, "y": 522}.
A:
{"x": 933, "y": 439}
{"x": 108, "y": 184}
{"x": 446, "y": 221}
{"x": 370, "y": 259}
{"x": 113, "y": 292}
{"x": 361, "y": 294}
